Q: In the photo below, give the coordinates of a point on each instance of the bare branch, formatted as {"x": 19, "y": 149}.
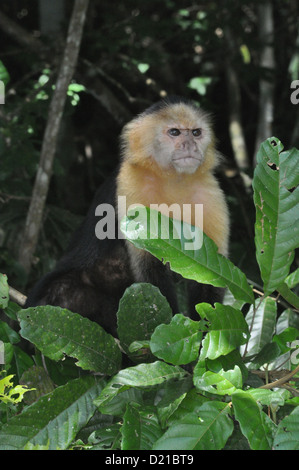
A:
{"x": 17, "y": 296}
{"x": 19, "y": 34}
{"x": 42, "y": 181}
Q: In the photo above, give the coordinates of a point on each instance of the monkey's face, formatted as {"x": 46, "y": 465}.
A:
{"x": 184, "y": 147}
{"x": 177, "y": 137}
{"x": 182, "y": 139}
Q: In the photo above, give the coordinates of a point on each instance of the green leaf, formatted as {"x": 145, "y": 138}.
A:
{"x": 4, "y": 296}
{"x": 37, "y": 378}
{"x": 227, "y": 362}
{"x": 106, "y": 437}
{"x": 288, "y": 295}
{"x": 287, "y": 435}
{"x": 269, "y": 397}
{"x": 143, "y": 68}
{"x": 76, "y": 87}
{"x": 207, "y": 429}
{"x": 293, "y": 279}
{"x": 141, "y": 376}
{"x": 116, "y": 404}
{"x": 277, "y": 216}
{"x": 178, "y": 243}
{"x": 56, "y": 332}
{"x": 4, "y": 75}
{"x": 141, "y": 309}
{"x": 220, "y": 383}
{"x": 55, "y": 418}
{"x": 178, "y": 342}
{"x": 261, "y": 324}
{"x": 16, "y": 358}
{"x": 200, "y": 84}
{"x": 10, "y": 393}
{"x": 254, "y": 423}
{"x": 227, "y": 332}
{"x": 267, "y": 354}
{"x": 140, "y": 428}
{"x": 285, "y": 337}
{"x": 245, "y": 52}
{"x": 287, "y": 319}
{"x": 12, "y": 309}
{"x": 190, "y": 402}
{"x": 7, "y": 334}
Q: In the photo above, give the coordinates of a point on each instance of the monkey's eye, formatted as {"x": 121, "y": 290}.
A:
{"x": 174, "y": 132}
{"x": 196, "y": 132}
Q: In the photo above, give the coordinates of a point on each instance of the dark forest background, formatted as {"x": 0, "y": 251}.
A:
{"x": 236, "y": 59}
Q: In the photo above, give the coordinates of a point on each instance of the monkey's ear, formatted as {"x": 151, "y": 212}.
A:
{"x": 137, "y": 138}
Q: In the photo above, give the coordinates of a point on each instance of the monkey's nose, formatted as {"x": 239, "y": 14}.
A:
{"x": 188, "y": 144}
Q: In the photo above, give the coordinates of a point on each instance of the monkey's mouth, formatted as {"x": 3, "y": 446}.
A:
{"x": 187, "y": 160}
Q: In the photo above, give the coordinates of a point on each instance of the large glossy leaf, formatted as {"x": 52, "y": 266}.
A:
{"x": 287, "y": 436}
{"x": 168, "y": 239}
{"x": 261, "y": 324}
{"x": 141, "y": 376}
{"x": 269, "y": 397}
{"x": 178, "y": 342}
{"x": 228, "y": 330}
{"x": 141, "y": 309}
{"x": 255, "y": 425}
{"x": 140, "y": 428}
{"x": 207, "y": 429}
{"x": 276, "y": 197}
{"x": 220, "y": 383}
{"x": 56, "y": 332}
{"x": 55, "y": 419}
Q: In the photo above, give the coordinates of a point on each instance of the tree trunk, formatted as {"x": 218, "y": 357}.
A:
{"x": 267, "y": 67}
{"x": 44, "y": 172}
{"x": 235, "y": 119}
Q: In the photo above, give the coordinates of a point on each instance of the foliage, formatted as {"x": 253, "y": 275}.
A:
{"x": 191, "y": 385}
{"x": 9, "y": 393}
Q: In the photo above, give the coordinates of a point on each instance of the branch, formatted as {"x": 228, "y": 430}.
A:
{"x": 235, "y": 115}
{"x": 283, "y": 380}
{"x": 17, "y": 296}
{"x": 42, "y": 181}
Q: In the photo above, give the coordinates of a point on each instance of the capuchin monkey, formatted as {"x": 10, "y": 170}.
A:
{"x": 168, "y": 157}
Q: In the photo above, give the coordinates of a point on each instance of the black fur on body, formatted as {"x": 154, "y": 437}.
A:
{"x": 93, "y": 274}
